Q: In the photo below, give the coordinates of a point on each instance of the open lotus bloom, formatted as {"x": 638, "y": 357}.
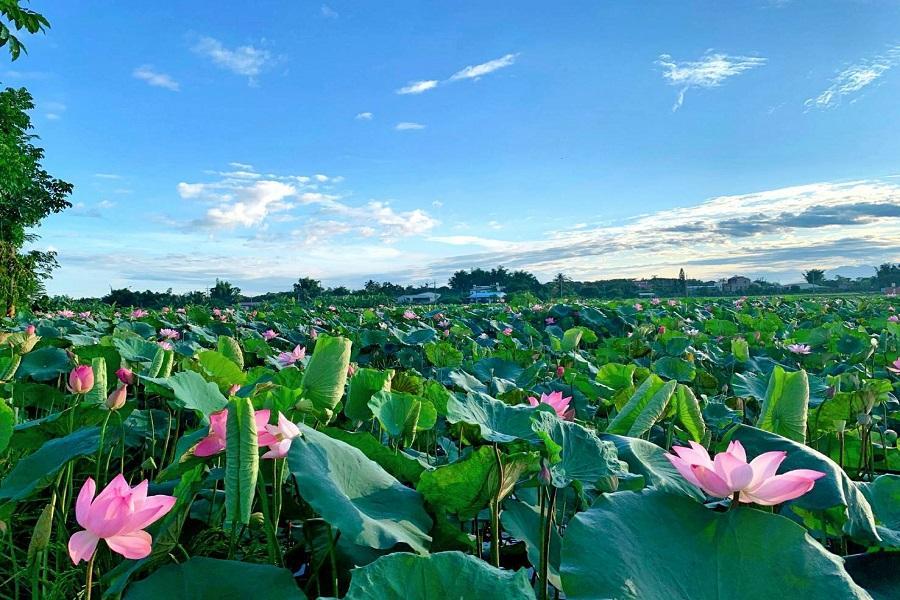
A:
{"x": 559, "y": 404}
{"x": 286, "y": 359}
{"x": 895, "y": 367}
{"x": 278, "y": 437}
{"x": 215, "y": 441}
{"x": 118, "y": 515}
{"x": 730, "y": 473}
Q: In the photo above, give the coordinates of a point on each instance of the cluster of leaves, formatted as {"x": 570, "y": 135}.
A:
{"x": 423, "y": 471}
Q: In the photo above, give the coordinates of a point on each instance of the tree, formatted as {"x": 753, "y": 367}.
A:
{"x": 27, "y": 194}
{"x": 887, "y": 275}
{"x": 560, "y": 281}
{"x": 682, "y": 282}
{"x": 814, "y": 276}
{"x": 20, "y": 18}
{"x": 224, "y": 293}
{"x": 307, "y": 288}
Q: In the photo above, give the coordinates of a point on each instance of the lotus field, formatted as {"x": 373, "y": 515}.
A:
{"x": 667, "y": 449}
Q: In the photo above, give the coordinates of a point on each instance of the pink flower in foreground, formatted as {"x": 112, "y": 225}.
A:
{"x": 281, "y": 436}
{"x": 896, "y": 367}
{"x": 214, "y": 442}
{"x": 729, "y": 474}
{"x": 125, "y": 375}
{"x": 559, "y": 404}
{"x": 269, "y": 335}
{"x": 118, "y": 515}
{"x": 117, "y": 397}
{"x": 81, "y": 379}
{"x": 286, "y": 359}
{"x": 169, "y": 334}
{"x": 799, "y": 348}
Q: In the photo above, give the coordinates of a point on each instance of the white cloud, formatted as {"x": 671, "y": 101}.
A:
{"x": 241, "y": 166}
{"x": 391, "y": 224}
{"x": 476, "y": 71}
{"x": 708, "y": 72}
{"x": 251, "y": 205}
{"x": 243, "y": 60}
{"x": 155, "y": 78}
{"x": 107, "y": 176}
{"x": 855, "y": 78}
{"x": 321, "y": 178}
{"x": 408, "y": 126}
{"x": 417, "y": 87}
{"x": 328, "y": 12}
{"x": 53, "y": 110}
{"x": 364, "y": 116}
{"x": 472, "y": 240}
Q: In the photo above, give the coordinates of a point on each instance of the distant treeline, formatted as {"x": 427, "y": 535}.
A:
{"x": 520, "y": 286}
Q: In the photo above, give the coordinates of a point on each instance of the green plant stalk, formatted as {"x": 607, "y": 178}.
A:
{"x": 495, "y": 512}
{"x": 548, "y": 501}
{"x": 100, "y": 449}
{"x": 270, "y": 525}
{"x": 89, "y": 579}
{"x": 332, "y": 542}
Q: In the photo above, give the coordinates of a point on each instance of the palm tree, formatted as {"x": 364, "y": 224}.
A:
{"x": 559, "y": 281}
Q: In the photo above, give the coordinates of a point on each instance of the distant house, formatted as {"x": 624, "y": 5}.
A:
{"x": 805, "y": 286}
{"x": 423, "y": 298}
{"x": 737, "y": 283}
{"x": 485, "y": 293}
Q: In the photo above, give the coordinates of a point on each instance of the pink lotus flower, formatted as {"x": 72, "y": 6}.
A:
{"x": 269, "y": 335}
{"x": 280, "y": 437}
{"x": 559, "y": 404}
{"x": 169, "y": 334}
{"x": 85, "y": 315}
{"x": 730, "y": 474}
{"x": 654, "y": 301}
{"x": 799, "y": 348}
{"x": 286, "y": 359}
{"x": 661, "y": 329}
{"x": 180, "y": 311}
{"x": 549, "y": 321}
{"x": 313, "y": 334}
{"x": 560, "y": 371}
{"x": 444, "y": 323}
{"x": 408, "y": 314}
{"x": 165, "y": 345}
{"x": 332, "y": 308}
{"x": 894, "y": 319}
{"x": 139, "y": 313}
{"x": 117, "y": 397}
{"x": 29, "y": 331}
{"x": 638, "y": 306}
{"x": 214, "y": 442}
{"x": 81, "y": 379}
{"x": 895, "y": 368}
{"x": 217, "y": 312}
{"x": 673, "y": 302}
{"x": 234, "y": 389}
{"x": 351, "y": 370}
{"x": 68, "y": 314}
{"x": 125, "y": 375}
{"x": 166, "y": 310}
{"x": 507, "y": 331}
{"x": 118, "y": 515}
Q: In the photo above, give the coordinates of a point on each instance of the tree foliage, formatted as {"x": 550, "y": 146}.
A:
{"x": 15, "y": 17}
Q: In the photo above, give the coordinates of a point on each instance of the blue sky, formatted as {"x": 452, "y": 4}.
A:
{"x": 263, "y": 141}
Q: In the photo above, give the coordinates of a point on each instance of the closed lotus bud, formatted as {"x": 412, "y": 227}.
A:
{"x": 351, "y": 370}
{"x": 257, "y": 519}
{"x": 544, "y": 475}
{"x": 81, "y": 379}
{"x": 116, "y": 399}
{"x": 560, "y": 371}
{"x": 125, "y": 375}
{"x": 29, "y": 331}
{"x": 234, "y": 389}
{"x": 864, "y": 420}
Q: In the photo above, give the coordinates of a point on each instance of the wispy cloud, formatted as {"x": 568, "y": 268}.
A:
{"x": 408, "y": 126}
{"x": 471, "y": 72}
{"x": 242, "y": 60}
{"x": 53, "y": 110}
{"x": 854, "y": 79}
{"x": 328, "y": 12}
{"x": 364, "y": 116}
{"x": 155, "y": 78}
{"x": 417, "y": 87}
{"x": 107, "y": 176}
{"x": 710, "y": 71}
{"x": 476, "y": 71}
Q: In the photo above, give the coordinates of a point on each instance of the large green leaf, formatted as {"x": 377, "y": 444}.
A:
{"x": 326, "y": 373}
{"x": 672, "y": 367}
{"x": 883, "y": 493}
{"x": 37, "y": 470}
{"x": 201, "y": 578}
{"x": 397, "y": 463}
{"x": 655, "y": 545}
{"x": 355, "y": 495}
{"x": 646, "y": 406}
{"x": 231, "y": 349}
{"x": 648, "y": 460}
{"x": 487, "y": 369}
{"x": 363, "y": 384}
{"x": 443, "y": 354}
{"x": 192, "y": 392}
{"x": 241, "y": 460}
{"x": 577, "y": 454}
{"x": 7, "y": 423}
{"x": 835, "y": 490}
{"x": 97, "y": 394}
{"x": 221, "y": 369}
{"x": 397, "y": 412}
{"x": 497, "y": 421}
{"x": 444, "y": 575}
{"x": 133, "y": 348}
{"x": 687, "y": 409}
{"x": 43, "y": 364}
{"x": 785, "y": 406}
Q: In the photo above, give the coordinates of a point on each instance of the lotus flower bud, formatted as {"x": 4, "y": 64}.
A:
{"x": 81, "y": 379}
{"x": 544, "y": 476}
{"x": 351, "y": 370}
{"x": 560, "y": 371}
{"x": 116, "y": 399}
{"x": 125, "y": 375}
{"x": 29, "y": 331}
{"x": 234, "y": 389}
